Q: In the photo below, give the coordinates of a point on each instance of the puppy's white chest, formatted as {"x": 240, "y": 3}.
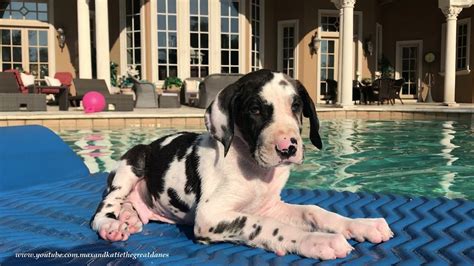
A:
{"x": 262, "y": 194}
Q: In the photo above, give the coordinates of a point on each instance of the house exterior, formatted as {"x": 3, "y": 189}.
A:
{"x": 312, "y": 41}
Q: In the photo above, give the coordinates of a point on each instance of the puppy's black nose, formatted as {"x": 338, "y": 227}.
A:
{"x": 286, "y": 153}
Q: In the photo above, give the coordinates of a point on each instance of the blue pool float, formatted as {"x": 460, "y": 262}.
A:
{"x": 47, "y": 197}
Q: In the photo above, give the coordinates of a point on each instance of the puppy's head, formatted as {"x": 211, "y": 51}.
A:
{"x": 266, "y": 110}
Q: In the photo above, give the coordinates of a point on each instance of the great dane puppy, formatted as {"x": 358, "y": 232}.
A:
{"x": 227, "y": 181}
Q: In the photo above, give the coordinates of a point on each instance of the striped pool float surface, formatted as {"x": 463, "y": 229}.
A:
{"x": 52, "y": 220}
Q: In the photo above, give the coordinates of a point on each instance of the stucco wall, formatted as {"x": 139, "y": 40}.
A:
{"x": 67, "y": 59}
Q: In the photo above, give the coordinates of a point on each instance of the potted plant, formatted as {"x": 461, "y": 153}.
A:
{"x": 173, "y": 83}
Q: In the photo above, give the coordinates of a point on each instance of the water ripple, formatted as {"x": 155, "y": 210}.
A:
{"x": 426, "y": 158}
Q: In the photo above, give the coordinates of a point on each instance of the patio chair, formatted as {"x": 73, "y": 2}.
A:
{"x": 212, "y": 85}
{"x": 331, "y": 94}
{"x": 11, "y": 99}
{"x": 62, "y": 91}
{"x": 384, "y": 86}
{"x": 190, "y": 91}
{"x": 19, "y": 81}
{"x": 396, "y": 89}
{"x": 357, "y": 91}
{"x": 145, "y": 93}
{"x": 121, "y": 102}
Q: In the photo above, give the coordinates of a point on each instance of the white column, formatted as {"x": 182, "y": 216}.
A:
{"x": 102, "y": 41}
{"x": 339, "y": 53}
{"x": 451, "y": 14}
{"x": 84, "y": 39}
{"x": 347, "y": 56}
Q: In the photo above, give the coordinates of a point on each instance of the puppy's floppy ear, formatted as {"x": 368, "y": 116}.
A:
{"x": 219, "y": 117}
{"x": 309, "y": 111}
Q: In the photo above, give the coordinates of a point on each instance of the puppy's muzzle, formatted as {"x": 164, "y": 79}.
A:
{"x": 286, "y": 148}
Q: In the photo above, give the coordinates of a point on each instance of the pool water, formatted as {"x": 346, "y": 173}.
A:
{"x": 422, "y": 158}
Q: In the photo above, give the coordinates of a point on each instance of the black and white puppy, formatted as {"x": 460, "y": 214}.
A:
{"x": 227, "y": 182}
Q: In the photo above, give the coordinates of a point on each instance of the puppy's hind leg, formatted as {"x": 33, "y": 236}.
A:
{"x": 115, "y": 219}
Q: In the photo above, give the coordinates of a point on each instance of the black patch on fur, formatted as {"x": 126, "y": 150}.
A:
{"x": 108, "y": 205}
{"x": 293, "y": 241}
{"x": 275, "y": 232}
{"x": 255, "y": 233}
{"x": 113, "y": 188}
{"x": 280, "y": 238}
{"x": 110, "y": 179}
{"x": 111, "y": 215}
{"x": 309, "y": 111}
{"x": 232, "y": 227}
{"x": 266, "y": 246}
{"x": 193, "y": 179}
{"x": 254, "y": 225}
{"x": 160, "y": 159}
{"x": 176, "y": 201}
{"x": 283, "y": 83}
{"x": 211, "y": 229}
{"x": 136, "y": 157}
{"x": 250, "y": 124}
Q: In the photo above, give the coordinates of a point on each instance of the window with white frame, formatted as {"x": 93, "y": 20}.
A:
{"x": 229, "y": 36}
{"x": 461, "y": 46}
{"x": 10, "y": 43}
{"x": 463, "y": 39}
{"x": 133, "y": 33}
{"x": 287, "y": 41}
{"x": 24, "y": 9}
{"x": 167, "y": 39}
{"x": 257, "y": 19}
{"x": 38, "y": 53}
{"x": 330, "y": 23}
{"x": 199, "y": 37}
{"x": 25, "y": 49}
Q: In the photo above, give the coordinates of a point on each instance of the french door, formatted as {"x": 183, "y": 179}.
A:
{"x": 408, "y": 67}
{"x": 328, "y": 64}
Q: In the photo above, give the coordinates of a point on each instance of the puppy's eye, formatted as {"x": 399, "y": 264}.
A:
{"x": 254, "y": 109}
{"x": 296, "y": 106}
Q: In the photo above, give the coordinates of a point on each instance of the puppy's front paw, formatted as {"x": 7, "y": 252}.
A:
{"x": 129, "y": 216}
{"x": 373, "y": 230}
{"x": 325, "y": 246}
{"x": 114, "y": 230}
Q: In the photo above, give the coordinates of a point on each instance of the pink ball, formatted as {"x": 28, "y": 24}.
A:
{"x": 93, "y": 102}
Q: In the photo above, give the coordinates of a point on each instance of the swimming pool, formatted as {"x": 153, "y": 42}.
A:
{"x": 423, "y": 158}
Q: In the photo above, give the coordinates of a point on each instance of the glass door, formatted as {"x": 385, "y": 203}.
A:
{"x": 328, "y": 64}
{"x": 408, "y": 66}
{"x": 409, "y": 70}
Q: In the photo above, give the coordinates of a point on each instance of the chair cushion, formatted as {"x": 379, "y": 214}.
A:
{"x": 28, "y": 80}
{"x": 52, "y": 81}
